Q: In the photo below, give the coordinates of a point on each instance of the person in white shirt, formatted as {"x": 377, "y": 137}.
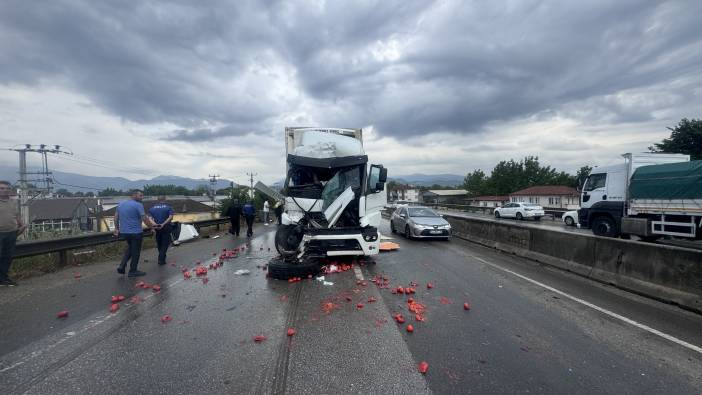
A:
{"x": 266, "y": 210}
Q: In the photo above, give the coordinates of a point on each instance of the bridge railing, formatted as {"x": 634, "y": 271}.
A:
{"x": 64, "y": 244}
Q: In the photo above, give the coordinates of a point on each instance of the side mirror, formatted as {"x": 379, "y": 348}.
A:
{"x": 403, "y": 216}
{"x": 379, "y": 186}
{"x": 383, "y": 178}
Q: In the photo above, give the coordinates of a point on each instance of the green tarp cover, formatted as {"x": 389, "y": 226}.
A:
{"x": 670, "y": 181}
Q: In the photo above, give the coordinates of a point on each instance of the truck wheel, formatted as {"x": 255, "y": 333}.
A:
{"x": 392, "y": 227}
{"x": 604, "y": 226}
{"x": 519, "y": 217}
{"x": 569, "y": 221}
{"x": 280, "y": 269}
{"x": 287, "y": 240}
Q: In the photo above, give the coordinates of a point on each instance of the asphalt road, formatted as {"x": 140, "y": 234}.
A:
{"x": 528, "y": 329}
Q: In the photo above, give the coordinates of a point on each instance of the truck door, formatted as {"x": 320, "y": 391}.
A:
{"x": 376, "y": 197}
{"x": 594, "y": 190}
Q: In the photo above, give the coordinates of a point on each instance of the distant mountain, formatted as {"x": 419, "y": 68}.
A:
{"x": 78, "y": 182}
{"x": 426, "y": 180}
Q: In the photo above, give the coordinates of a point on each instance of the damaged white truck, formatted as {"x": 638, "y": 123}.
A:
{"x": 333, "y": 200}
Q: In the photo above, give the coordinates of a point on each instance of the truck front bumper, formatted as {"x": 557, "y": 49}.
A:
{"x": 340, "y": 242}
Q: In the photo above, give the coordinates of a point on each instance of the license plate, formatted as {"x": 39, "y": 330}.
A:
{"x": 435, "y": 232}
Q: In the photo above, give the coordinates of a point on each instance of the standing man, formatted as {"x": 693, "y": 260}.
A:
{"x": 249, "y": 212}
{"x": 279, "y": 212}
{"x": 11, "y": 226}
{"x": 128, "y": 219}
{"x": 234, "y": 214}
{"x": 266, "y": 210}
{"x": 162, "y": 215}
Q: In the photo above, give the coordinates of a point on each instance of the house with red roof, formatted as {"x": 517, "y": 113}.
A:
{"x": 549, "y": 196}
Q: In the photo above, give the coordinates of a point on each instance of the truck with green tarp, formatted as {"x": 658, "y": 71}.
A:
{"x": 649, "y": 195}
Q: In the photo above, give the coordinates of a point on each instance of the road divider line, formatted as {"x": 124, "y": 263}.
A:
{"x": 595, "y": 307}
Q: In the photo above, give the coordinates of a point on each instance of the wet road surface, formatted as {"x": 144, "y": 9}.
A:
{"x": 520, "y": 335}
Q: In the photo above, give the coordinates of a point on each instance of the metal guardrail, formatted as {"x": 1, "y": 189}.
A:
{"x": 64, "y": 244}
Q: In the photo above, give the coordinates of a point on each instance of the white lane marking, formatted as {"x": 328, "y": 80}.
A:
{"x": 598, "y": 308}
{"x": 359, "y": 275}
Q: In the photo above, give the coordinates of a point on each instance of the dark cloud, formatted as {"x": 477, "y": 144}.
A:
{"x": 407, "y": 67}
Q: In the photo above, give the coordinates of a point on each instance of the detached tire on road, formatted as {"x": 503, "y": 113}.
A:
{"x": 279, "y": 269}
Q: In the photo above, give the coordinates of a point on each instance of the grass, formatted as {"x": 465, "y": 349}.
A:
{"x": 48, "y": 263}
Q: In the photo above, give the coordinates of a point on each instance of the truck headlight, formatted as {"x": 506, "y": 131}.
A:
{"x": 370, "y": 237}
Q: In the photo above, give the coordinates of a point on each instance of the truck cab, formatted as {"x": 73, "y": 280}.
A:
{"x": 333, "y": 196}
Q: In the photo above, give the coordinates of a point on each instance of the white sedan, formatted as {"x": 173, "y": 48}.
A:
{"x": 520, "y": 211}
{"x": 570, "y": 218}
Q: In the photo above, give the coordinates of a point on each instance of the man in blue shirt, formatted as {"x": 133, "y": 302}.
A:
{"x": 162, "y": 215}
{"x": 128, "y": 219}
{"x": 249, "y": 212}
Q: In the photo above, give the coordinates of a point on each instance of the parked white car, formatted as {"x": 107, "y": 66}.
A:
{"x": 520, "y": 211}
{"x": 570, "y": 218}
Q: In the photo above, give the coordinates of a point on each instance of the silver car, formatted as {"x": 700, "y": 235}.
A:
{"x": 419, "y": 222}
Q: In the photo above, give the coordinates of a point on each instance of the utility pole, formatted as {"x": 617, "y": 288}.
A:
{"x": 46, "y": 179}
{"x": 251, "y": 178}
{"x": 213, "y": 192}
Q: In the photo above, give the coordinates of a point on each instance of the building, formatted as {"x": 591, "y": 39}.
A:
{"x": 449, "y": 196}
{"x": 63, "y": 214}
{"x": 549, "y": 196}
{"x": 185, "y": 210}
{"x": 405, "y": 193}
{"x": 488, "y": 201}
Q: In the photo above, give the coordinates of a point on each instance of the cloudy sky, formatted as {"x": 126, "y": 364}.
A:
{"x": 145, "y": 88}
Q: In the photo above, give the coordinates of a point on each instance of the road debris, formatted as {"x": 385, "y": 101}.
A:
{"x": 328, "y": 283}
{"x": 359, "y": 305}
{"x": 117, "y": 298}
{"x": 388, "y": 246}
{"x": 114, "y": 307}
{"x": 430, "y": 285}
{"x": 410, "y": 328}
{"x": 466, "y": 306}
{"x": 77, "y": 275}
{"x": 291, "y": 331}
{"x": 242, "y": 272}
{"x": 166, "y": 318}
{"x": 259, "y": 338}
{"x": 423, "y": 367}
{"x": 62, "y": 314}
{"x": 156, "y": 288}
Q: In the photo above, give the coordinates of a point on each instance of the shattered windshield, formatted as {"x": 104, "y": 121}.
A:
{"x": 350, "y": 177}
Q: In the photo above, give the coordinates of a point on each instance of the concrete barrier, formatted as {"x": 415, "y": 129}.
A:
{"x": 668, "y": 273}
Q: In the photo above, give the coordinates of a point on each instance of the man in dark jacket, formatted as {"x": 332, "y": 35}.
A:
{"x": 234, "y": 214}
{"x": 249, "y": 213}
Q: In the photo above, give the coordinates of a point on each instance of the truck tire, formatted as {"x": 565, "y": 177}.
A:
{"x": 604, "y": 226}
{"x": 287, "y": 241}
{"x": 281, "y": 269}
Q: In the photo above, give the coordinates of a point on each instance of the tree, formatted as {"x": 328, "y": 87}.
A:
{"x": 475, "y": 182}
{"x": 510, "y": 176}
{"x": 685, "y": 138}
{"x": 111, "y": 192}
{"x": 64, "y": 192}
{"x": 170, "y": 189}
